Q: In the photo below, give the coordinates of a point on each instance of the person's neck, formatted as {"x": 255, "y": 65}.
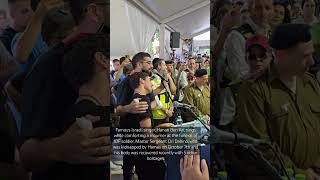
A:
{"x": 98, "y": 89}
{"x": 136, "y": 70}
{"x": 140, "y": 90}
{"x": 283, "y": 75}
{"x": 191, "y": 70}
{"x": 257, "y": 26}
{"x": 199, "y": 86}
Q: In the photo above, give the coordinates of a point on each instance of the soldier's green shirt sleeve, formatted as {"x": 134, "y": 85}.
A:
{"x": 251, "y": 120}
{"x": 250, "y": 117}
{"x": 188, "y": 99}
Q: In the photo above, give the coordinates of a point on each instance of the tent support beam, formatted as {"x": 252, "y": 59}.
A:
{"x": 162, "y": 41}
{"x": 146, "y": 10}
{"x": 186, "y": 11}
{"x": 200, "y": 32}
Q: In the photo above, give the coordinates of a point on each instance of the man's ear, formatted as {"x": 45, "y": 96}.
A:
{"x": 101, "y": 60}
{"x": 141, "y": 81}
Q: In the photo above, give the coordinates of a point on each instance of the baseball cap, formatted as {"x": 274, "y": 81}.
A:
{"x": 286, "y": 36}
{"x": 200, "y": 72}
{"x": 259, "y": 40}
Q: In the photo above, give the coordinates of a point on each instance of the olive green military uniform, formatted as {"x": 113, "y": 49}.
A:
{"x": 269, "y": 110}
{"x": 199, "y": 100}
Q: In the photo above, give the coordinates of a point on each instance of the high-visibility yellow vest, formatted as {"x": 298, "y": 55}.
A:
{"x": 164, "y": 99}
{"x": 165, "y": 102}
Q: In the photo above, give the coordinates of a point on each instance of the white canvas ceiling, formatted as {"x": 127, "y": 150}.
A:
{"x": 189, "y": 17}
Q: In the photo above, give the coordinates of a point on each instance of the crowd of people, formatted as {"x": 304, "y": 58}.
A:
{"x": 144, "y": 91}
{"x": 265, "y": 84}
{"x": 59, "y": 86}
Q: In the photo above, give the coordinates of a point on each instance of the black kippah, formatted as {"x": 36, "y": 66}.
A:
{"x": 200, "y": 72}
{"x": 288, "y": 35}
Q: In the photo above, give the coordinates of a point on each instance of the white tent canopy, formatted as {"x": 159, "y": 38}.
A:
{"x": 133, "y": 23}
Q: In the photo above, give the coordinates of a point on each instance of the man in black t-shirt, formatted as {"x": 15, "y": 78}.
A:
{"x": 146, "y": 169}
{"x": 140, "y": 62}
{"x": 87, "y": 74}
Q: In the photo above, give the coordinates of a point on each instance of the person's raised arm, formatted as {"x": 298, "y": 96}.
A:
{"x": 25, "y": 43}
{"x": 120, "y": 71}
{"x": 182, "y": 77}
{"x": 229, "y": 21}
{"x": 172, "y": 85}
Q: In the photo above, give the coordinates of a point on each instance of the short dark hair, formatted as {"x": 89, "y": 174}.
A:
{"x": 122, "y": 59}
{"x": 135, "y": 79}
{"x": 139, "y": 57}
{"x": 156, "y": 62}
{"x": 34, "y": 4}
{"x": 78, "y": 65}
{"x": 127, "y": 69}
{"x": 287, "y": 36}
{"x": 78, "y": 8}
{"x": 57, "y": 24}
{"x": 287, "y": 18}
{"x": 115, "y": 60}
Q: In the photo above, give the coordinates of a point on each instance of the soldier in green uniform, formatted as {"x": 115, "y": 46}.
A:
{"x": 197, "y": 94}
{"x": 282, "y": 106}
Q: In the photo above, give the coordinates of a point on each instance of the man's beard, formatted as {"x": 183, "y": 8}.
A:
{"x": 149, "y": 72}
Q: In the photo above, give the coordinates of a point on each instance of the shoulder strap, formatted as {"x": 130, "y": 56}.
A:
{"x": 245, "y": 30}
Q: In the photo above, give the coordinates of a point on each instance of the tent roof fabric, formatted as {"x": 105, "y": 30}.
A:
{"x": 189, "y": 17}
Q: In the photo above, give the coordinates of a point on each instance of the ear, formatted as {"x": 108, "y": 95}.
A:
{"x": 93, "y": 12}
{"x": 101, "y": 60}
{"x": 141, "y": 81}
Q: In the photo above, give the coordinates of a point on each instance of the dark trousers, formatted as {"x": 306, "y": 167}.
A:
{"x": 128, "y": 164}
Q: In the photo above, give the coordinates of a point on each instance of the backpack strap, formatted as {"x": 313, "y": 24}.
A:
{"x": 246, "y": 31}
